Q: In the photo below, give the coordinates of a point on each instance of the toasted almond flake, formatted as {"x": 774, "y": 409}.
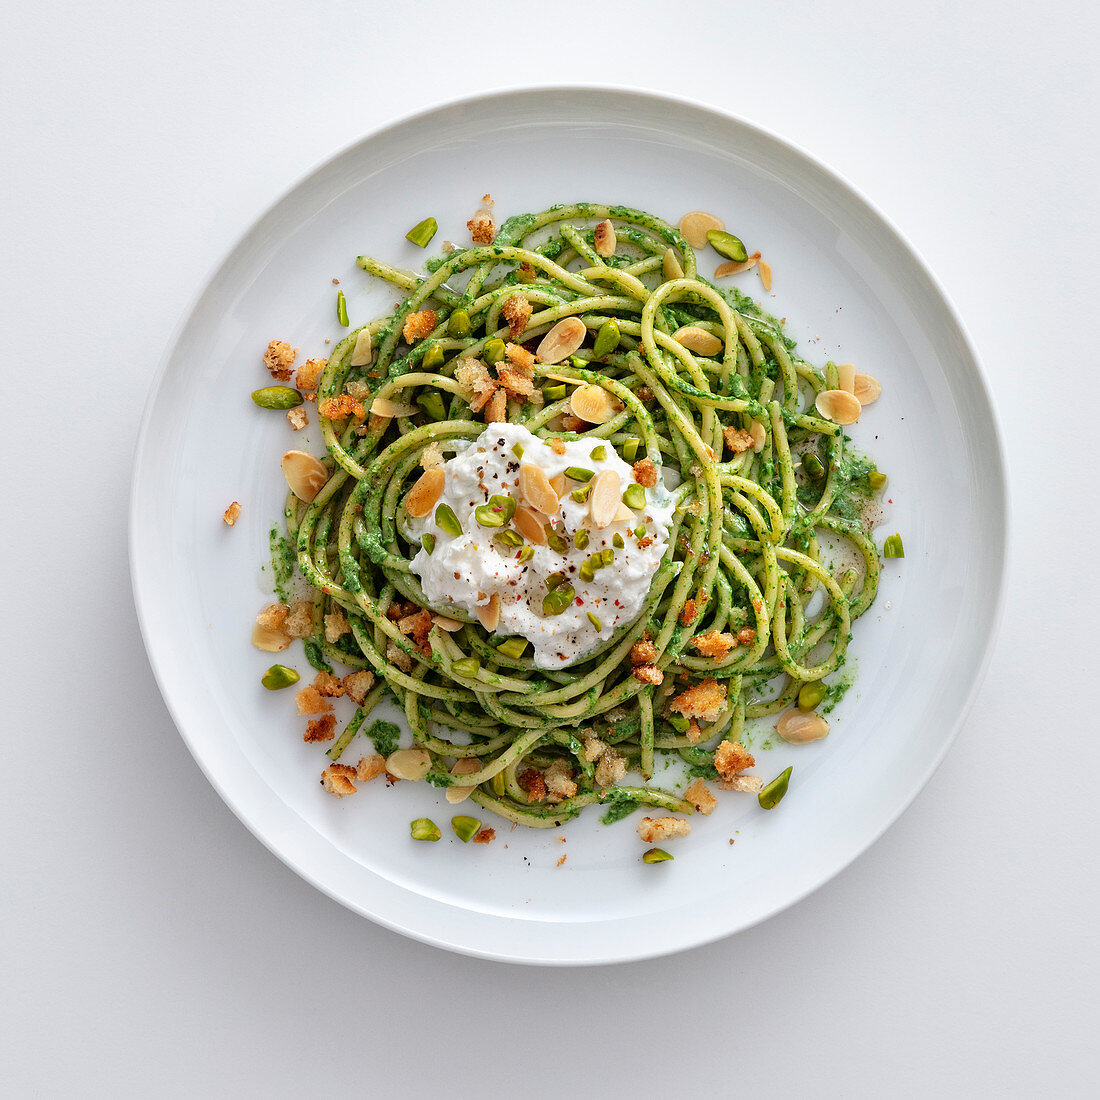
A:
{"x": 798, "y": 727}
{"x": 670, "y": 266}
{"x": 363, "y": 352}
{"x": 562, "y": 340}
{"x": 465, "y": 765}
{"x": 269, "y": 639}
{"x": 536, "y": 490}
{"x": 562, "y": 378}
{"x": 529, "y": 525}
{"x": 304, "y": 474}
{"x": 593, "y": 404}
{"x": 423, "y": 495}
{"x": 765, "y": 270}
{"x": 605, "y": 498}
{"x": 846, "y": 375}
{"x": 383, "y": 406}
{"x": 557, "y": 483}
{"x": 866, "y": 388}
{"x": 839, "y": 406}
{"x": 449, "y": 625}
{"x": 605, "y": 240}
{"x": 733, "y": 268}
{"x": 410, "y": 764}
{"x": 696, "y": 225}
{"x": 698, "y": 340}
{"x": 489, "y": 614}
{"x": 624, "y": 515}
{"x": 759, "y": 436}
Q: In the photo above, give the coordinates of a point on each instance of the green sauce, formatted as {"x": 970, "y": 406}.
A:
{"x": 282, "y": 564}
{"x": 384, "y": 735}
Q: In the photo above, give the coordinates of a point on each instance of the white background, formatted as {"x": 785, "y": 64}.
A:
{"x": 151, "y": 947}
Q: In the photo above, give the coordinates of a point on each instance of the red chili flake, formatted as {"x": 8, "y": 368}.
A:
{"x": 580, "y": 602}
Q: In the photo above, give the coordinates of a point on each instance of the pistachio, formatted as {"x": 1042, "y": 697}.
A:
{"x": 423, "y": 828}
{"x": 605, "y": 240}
{"x": 536, "y": 489}
{"x": 605, "y": 498}
{"x": 410, "y": 764}
{"x": 279, "y": 676}
{"x": 698, "y": 340}
{"x": 363, "y": 352}
{"x": 866, "y": 388}
{"x": 839, "y": 406}
{"x": 670, "y": 266}
{"x": 726, "y": 244}
{"x": 607, "y": 339}
{"x": 269, "y": 639}
{"x": 277, "y": 397}
{"x": 696, "y": 225}
{"x": 489, "y": 614}
{"x": 467, "y": 667}
{"x": 465, "y": 828}
{"x": 593, "y": 404}
{"x": 799, "y": 726}
{"x": 304, "y": 474}
{"x": 562, "y": 340}
{"x": 529, "y": 525}
{"x": 424, "y": 494}
{"x": 466, "y": 765}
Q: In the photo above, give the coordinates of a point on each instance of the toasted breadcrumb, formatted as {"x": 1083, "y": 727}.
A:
{"x": 752, "y": 784}
{"x": 417, "y": 626}
{"x": 563, "y": 859}
{"x": 299, "y": 623}
{"x": 746, "y": 636}
{"x": 515, "y": 382}
{"x": 496, "y": 411}
{"x": 645, "y": 473}
{"x": 370, "y": 767}
{"x": 273, "y": 616}
{"x": 648, "y": 674}
{"x": 703, "y": 701}
{"x": 520, "y": 357}
{"x": 737, "y": 439}
{"x": 331, "y": 687}
{"x": 713, "y": 644}
{"x": 340, "y": 408}
{"x": 359, "y": 390}
{"x": 357, "y": 684}
{"x": 559, "y": 781}
{"x": 418, "y": 325}
{"x": 398, "y": 658}
{"x": 279, "y": 358}
{"x": 516, "y": 313}
{"x": 297, "y": 418}
{"x": 645, "y": 543}
{"x": 336, "y": 626}
{"x": 310, "y": 700}
{"x": 231, "y": 514}
{"x": 308, "y": 374}
{"x": 473, "y": 375}
{"x": 526, "y": 272}
{"x": 485, "y": 836}
{"x": 321, "y": 729}
{"x": 594, "y": 748}
{"x": 431, "y": 456}
{"x": 610, "y": 768}
{"x": 653, "y": 829}
{"x": 731, "y": 758}
{"x": 701, "y": 798}
{"x": 694, "y": 731}
{"x": 481, "y": 226}
{"x": 557, "y": 445}
{"x": 337, "y": 779}
{"x": 643, "y": 652}
{"x": 688, "y": 613}
{"x": 533, "y": 784}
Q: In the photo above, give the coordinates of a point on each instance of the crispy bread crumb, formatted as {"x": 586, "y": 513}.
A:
{"x": 701, "y": 798}
{"x": 297, "y": 418}
{"x": 731, "y": 758}
{"x": 336, "y": 626}
{"x": 594, "y": 748}
{"x": 431, "y": 456}
{"x": 648, "y": 674}
{"x": 418, "y": 325}
{"x": 331, "y": 687}
{"x": 713, "y": 644}
{"x": 562, "y": 860}
{"x": 496, "y": 411}
{"x": 610, "y": 768}
{"x": 321, "y": 729}
{"x": 703, "y": 701}
{"x": 515, "y": 382}
{"x": 485, "y": 836}
{"x": 752, "y": 784}
{"x": 645, "y": 473}
{"x": 533, "y": 784}
{"x": 516, "y": 313}
{"x": 308, "y": 374}
{"x": 357, "y": 684}
{"x": 653, "y": 829}
{"x": 359, "y": 390}
{"x": 337, "y": 780}
{"x": 557, "y": 445}
{"x": 273, "y": 616}
{"x": 369, "y": 767}
{"x": 340, "y": 408}
{"x": 473, "y": 375}
{"x": 559, "y": 781}
{"x": 231, "y": 514}
{"x": 279, "y": 358}
{"x": 643, "y": 652}
{"x": 519, "y": 356}
{"x": 694, "y": 731}
{"x": 398, "y": 658}
{"x": 482, "y": 228}
{"x": 737, "y": 439}
{"x": 746, "y": 636}
{"x": 310, "y": 700}
{"x": 299, "y": 623}
{"x": 688, "y": 613}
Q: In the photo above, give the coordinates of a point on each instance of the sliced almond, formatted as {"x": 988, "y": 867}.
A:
{"x": 488, "y": 614}
{"x": 698, "y": 340}
{"x": 765, "y": 270}
{"x": 363, "y": 352}
{"x": 846, "y": 377}
{"x": 466, "y": 765}
{"x": 449, "y": 625}
{"x": 536, "y": 489}
{"x": 696, "y": 225}
{"x": 562, "y": 340}
{"x": 561, "y": 378}
{"x": 623, "y": 515}
{"x": 304, "y": 474}
{"x": 670, "y": 266}
{"x": 593, "y": 404}
{"x": 733, "y": 268}
{"x": 866, "y": 388}
{"x": 410, "y": 764}
{"x": 798, "y": 727}
{"x": 383, "y": 406}
{"x": 423, "y": 495}
{"x": 529, "y": 525}
{"x": 605, "y": 498}
{"x": 839, "y": 406}
{"x": 759, "y": 436}
{"x": 269, "y": 639}
{"x": 557, "y": 483}
{"x": 605, "y": 240}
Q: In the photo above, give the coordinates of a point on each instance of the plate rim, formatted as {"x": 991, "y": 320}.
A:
{"x": 635, "y": 950}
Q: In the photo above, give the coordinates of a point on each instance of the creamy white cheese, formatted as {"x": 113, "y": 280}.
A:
{"x": 465, "y": 570}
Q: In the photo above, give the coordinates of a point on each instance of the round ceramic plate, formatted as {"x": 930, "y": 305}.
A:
{"x": 851, "y": 290}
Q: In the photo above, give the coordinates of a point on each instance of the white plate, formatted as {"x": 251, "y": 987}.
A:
{"x": 851, "y": 288}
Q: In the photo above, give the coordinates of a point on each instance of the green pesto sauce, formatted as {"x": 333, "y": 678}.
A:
{"x": 282, "y": 563}
{"x": 624, "y": 807}
{"x": 837, "y": 690}
{"x": 315, "y": 656}
{"x": 384, "y": 735}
